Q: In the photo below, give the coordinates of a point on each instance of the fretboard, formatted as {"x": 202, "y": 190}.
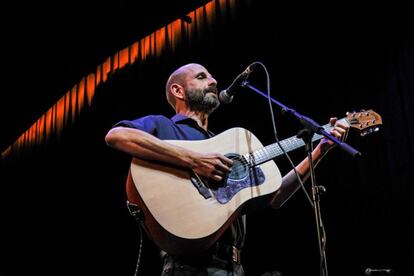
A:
{"x": 273, "y": 151}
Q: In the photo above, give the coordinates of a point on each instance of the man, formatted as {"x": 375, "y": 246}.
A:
{"x": 192, "y": 92}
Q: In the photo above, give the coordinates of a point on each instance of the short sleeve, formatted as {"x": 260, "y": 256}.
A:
{"x": 148, "y": 123}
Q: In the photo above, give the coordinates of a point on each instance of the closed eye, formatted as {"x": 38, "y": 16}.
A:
{"x": 201, "y": 75}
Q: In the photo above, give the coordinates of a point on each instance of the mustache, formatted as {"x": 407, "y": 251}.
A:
{"x": 211, "y": 89}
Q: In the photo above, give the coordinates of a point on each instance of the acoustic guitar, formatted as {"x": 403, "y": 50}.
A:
{"x": 185, "y": 214}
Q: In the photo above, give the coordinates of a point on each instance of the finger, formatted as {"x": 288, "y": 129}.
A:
{"x": 333, "y": 120}
{"x": 338, "y": 135}
{"x": 217, "y": 177}
{"x": 222, "y": 167}
{"x": 226, "y": 160}
{"x": 218, "y": 172}
{"x": 341, "y": 125}
{"x": 344, "y": 129}
{"x": 340, "y": 130}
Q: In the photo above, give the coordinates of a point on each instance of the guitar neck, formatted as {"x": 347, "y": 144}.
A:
{"x": 273, "y": 151}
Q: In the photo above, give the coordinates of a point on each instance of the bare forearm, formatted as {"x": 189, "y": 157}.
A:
{"x": 290, "y": 183}
{"x": 143, "y": 145}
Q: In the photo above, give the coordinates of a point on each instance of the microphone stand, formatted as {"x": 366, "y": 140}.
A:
{"x": 308, "y": 123}
{"x": 310, "y": 128}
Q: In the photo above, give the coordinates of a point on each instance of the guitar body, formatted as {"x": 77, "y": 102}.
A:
{"x": 183, "y": 219}
{"x": 184, "y": 214}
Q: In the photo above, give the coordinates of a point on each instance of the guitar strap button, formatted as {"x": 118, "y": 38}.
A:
{"x": 236, "y": 254}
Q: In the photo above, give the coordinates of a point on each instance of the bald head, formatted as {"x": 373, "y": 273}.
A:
{"x": 179, "y": 76}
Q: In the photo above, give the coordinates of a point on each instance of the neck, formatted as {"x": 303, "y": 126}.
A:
{"x": 200, "y": 117}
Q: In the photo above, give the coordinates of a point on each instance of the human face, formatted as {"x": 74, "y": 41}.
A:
{"x": 201, "y": 91}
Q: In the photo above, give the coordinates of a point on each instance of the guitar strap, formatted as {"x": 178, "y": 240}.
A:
{"x": 238, "y": 229}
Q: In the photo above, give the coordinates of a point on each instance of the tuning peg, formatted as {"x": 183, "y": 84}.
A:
{"x": 366, "y": 132}
{"x": 369, "y": 131}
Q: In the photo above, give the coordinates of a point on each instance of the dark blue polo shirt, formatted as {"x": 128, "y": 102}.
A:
{"x": 179, "y": 127}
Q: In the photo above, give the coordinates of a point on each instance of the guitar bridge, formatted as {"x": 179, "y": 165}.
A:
{"x": 202, "y": 189}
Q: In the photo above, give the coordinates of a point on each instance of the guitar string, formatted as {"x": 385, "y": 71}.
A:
{"x": 290, "y": 144}
{"x": 259, "y": 156}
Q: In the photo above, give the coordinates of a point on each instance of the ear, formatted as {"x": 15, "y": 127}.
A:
{"x": 177, "y": 90}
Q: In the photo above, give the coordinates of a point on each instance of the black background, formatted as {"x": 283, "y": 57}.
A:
{"x": 62, "y": 205}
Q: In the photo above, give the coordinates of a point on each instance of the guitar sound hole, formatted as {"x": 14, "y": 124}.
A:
{"x": 239, "y": 170}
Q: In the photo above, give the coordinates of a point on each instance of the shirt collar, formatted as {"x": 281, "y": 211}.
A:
{"x": 180, "y": 118}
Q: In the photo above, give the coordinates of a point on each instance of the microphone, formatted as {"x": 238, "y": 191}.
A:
{"x": 383, "y": 271}
{"x": 226, "y": 95}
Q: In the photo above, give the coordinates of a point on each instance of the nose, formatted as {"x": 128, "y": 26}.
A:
{"x": 212, "y": 81}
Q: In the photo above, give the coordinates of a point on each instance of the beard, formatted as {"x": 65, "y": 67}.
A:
{"x": 202, "y": 100}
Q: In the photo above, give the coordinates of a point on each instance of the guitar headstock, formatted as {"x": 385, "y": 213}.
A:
{"x": 366, "y": 121}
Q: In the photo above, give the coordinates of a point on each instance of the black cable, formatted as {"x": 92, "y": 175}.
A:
{"x": 323, "y": 249}
{"x": 276, "y": 135}
{"x": 322, "y": 228}
{"x": 136, "y": 214}
{"x": 139, "y": 251}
